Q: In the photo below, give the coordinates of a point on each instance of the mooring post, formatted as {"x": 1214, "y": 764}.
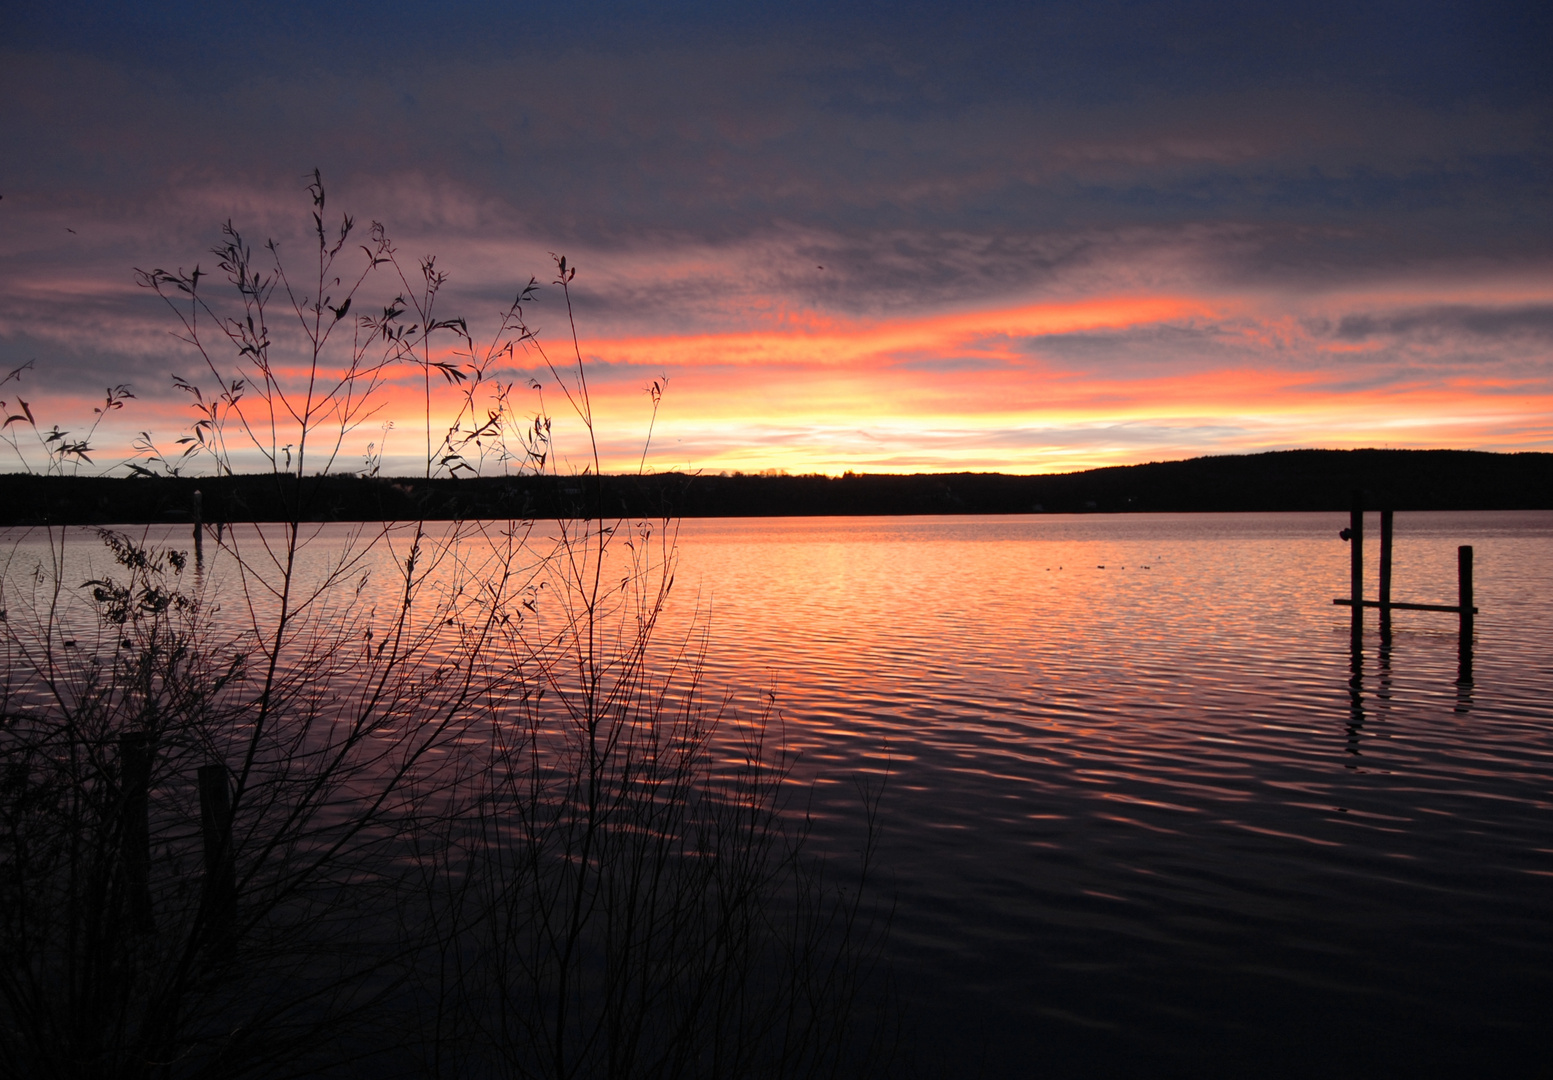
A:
{"x": 1355, "y": 537}
{"x": 199, "y": 527}
{"x": 1385, "y": 575}
{"x": 220, "y": 868}
{"x": 1464, "y": 601}
{"x": 135, "y": 830}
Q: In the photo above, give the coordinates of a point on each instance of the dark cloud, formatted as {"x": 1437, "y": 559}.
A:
{"x": 909, "y": 48}
{"x": 64, "y": 370}
{"x": 1167, "y": 349}
{"x": 1533, "y": 321}
{"x": 613, "y": 124}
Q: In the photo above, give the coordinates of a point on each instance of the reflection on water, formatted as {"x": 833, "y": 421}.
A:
{"x": 1152, "y": 808}
{"x": 1355, "y": 692}
{"x": 1148, "y": 800}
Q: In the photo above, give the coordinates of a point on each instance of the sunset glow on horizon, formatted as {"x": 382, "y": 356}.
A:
{"x": 992, "y": 390}
{"x": 995, "y": 390}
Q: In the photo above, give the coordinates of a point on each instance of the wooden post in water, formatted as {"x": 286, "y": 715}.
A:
{"x": 1464, "y": 600}
{"x": 220, "y": 868}
{"x": 1355, "y": 537}
{"x": 1356, "y": 602}
{"x": 1385, "y": 575}
{"x": 199, "y": 528}
{"x": 135, "y": 829}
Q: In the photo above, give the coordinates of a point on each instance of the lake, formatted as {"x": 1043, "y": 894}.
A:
{"x": 1145, "y": 811}
{"x": 1141, "y": 818}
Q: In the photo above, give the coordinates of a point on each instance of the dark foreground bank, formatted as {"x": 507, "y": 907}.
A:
{"x": 1290, "y": 480}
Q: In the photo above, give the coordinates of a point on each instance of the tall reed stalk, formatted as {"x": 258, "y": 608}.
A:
{"x": 441, "y": 800}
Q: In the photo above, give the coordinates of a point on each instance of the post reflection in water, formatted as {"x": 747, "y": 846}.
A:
{"x": 1464, "y": 608}
{"x": 1355, "y": 690}
{"x": 1383, "y": 680}
{"x": 1383, "y": 663}
{"x": 1464, "y": 681}
{"x": 1463, "y": 697}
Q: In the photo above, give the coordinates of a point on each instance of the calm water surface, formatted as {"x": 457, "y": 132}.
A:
{"x": 1141, "y": 816}
{"x": 1146, "y": 813}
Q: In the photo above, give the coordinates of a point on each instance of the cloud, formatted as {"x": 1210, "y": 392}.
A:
{"x": 819, "y": 210}
{"x": 1529, "y": 322}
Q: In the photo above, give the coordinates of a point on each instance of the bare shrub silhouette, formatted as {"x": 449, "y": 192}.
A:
{"x": 61, "y": 452}
{"x": 433, "y": 801}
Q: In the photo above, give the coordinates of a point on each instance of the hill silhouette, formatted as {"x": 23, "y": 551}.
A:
{"x": 1278, "y": 481}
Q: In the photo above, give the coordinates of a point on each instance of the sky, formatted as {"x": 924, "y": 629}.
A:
{"x": 898, "y": 237}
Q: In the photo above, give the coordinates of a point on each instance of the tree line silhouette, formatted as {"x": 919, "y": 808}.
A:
{"x": 1291, "y": 480}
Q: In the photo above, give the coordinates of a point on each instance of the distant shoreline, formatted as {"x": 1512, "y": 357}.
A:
{"x": 1289, "y": 480}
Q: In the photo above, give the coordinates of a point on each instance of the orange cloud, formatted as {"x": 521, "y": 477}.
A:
{"x": 814, "y": 340}
{"x": 1033, "y": 388}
